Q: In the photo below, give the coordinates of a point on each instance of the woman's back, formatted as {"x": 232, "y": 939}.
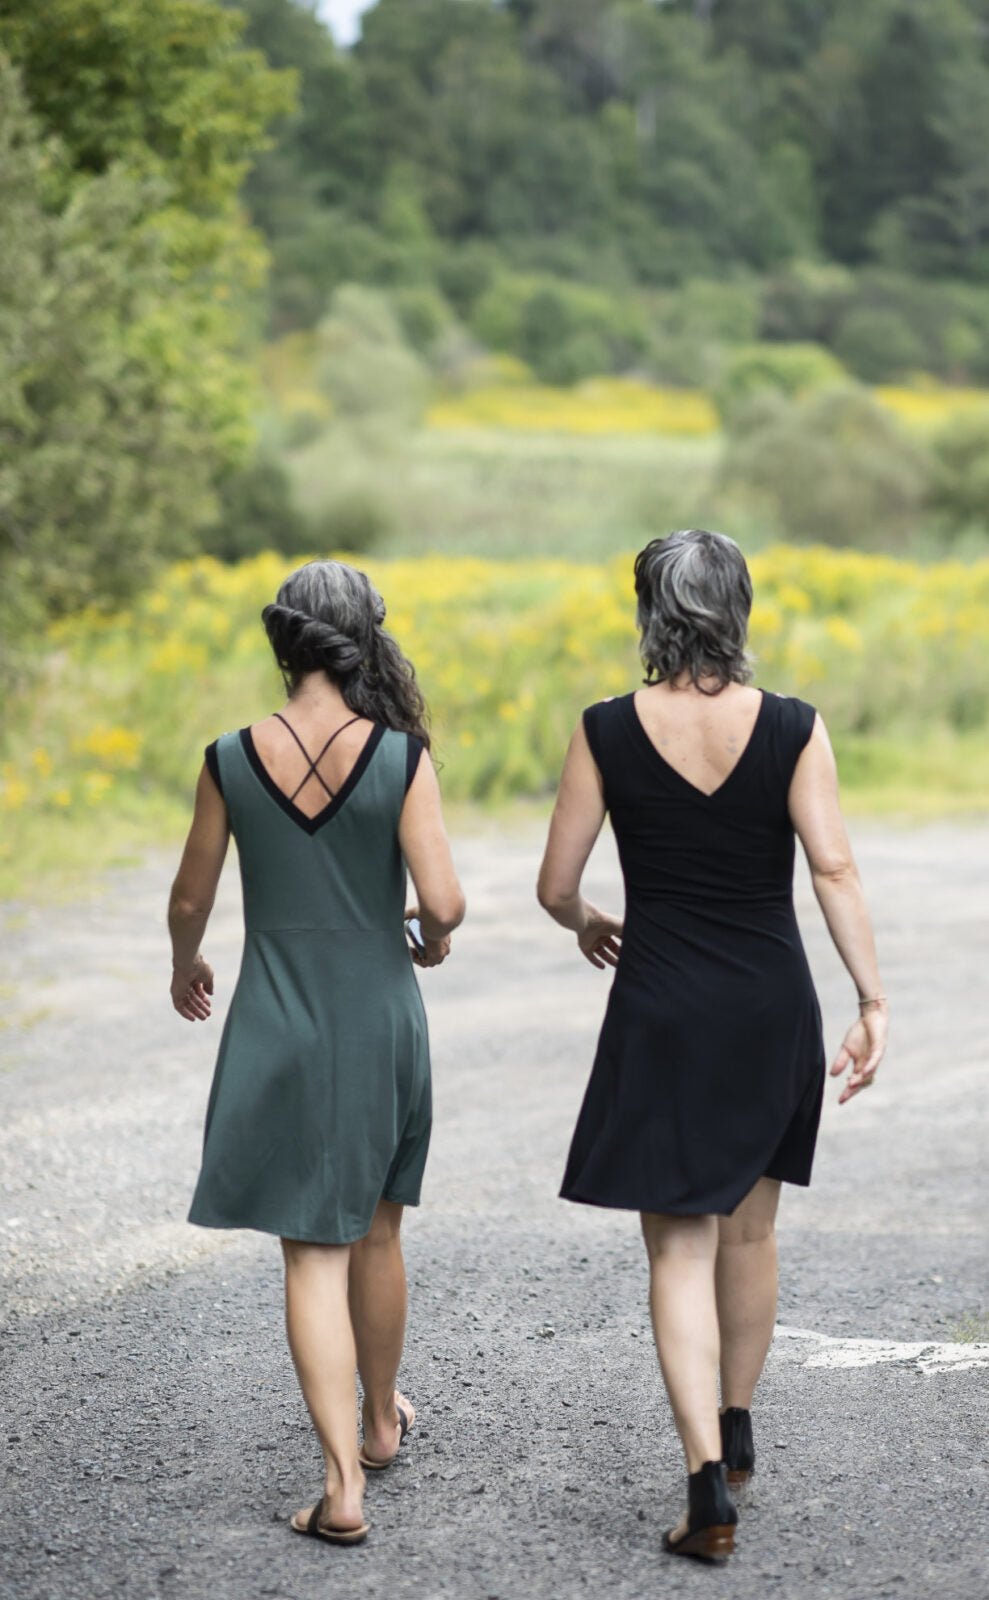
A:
{"x": 702, "y": 736}
{"x": 337, "y": 866}
{"x": 683, "y": 843}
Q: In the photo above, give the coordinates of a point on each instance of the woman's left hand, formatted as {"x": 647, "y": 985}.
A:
{"x": 862, "y": 1049}
{"x": 191, "y": 991}
{"x": 600, "y": 939}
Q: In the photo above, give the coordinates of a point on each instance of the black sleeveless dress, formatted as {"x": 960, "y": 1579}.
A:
{"x": 709, "y": 1071}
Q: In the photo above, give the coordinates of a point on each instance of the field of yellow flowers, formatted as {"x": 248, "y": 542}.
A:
{"x": 108, "y": 740}
{"x": 603, "y": 406}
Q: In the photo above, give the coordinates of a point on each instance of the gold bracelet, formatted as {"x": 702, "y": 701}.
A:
{"x": 876, "y": 1000}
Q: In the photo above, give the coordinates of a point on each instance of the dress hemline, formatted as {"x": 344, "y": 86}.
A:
{"x": 302, "y": 1236}
{"x": 683, "y": 1210}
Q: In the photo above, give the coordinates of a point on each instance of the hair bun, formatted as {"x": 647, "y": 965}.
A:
{"x": 305, "y": 643}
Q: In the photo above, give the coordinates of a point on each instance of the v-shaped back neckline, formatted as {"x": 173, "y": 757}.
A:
{"x": 311, "y": 825}
{"x": 314, "y": 761}
{"x": 702, "y": 794}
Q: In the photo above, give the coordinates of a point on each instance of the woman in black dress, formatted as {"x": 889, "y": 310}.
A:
{"x": 707, "y": 1085}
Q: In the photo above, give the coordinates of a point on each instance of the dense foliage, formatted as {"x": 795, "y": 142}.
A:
{"x": 827, "y": 158}
{"x": 126, "y": 280}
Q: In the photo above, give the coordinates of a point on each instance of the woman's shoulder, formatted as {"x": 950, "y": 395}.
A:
{"x": 216, "y": 754}
{"x": 790, "y": 705}
{"x": 609, "y": 709}
{"x": 604, "y": 725}
{"x": 793, "y": 718}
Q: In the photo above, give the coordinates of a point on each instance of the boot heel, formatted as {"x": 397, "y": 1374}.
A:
{"x": 737, "y": 1479}
{"x": 711, "y": 1517}
{"x": 711, "y": 1544}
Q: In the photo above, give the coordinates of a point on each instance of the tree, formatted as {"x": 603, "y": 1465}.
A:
{"x": 161, "y": 86}
{"x": 105, "y": 459}
{"x": 126, "y": 276}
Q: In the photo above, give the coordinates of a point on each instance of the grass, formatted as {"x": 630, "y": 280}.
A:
{"x": 510, "y": 495}
{"x": 61, "y": 857}
{"x": 972, "y": 1329}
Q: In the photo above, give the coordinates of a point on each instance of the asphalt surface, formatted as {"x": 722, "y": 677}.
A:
{"x": 155, "y": 1442}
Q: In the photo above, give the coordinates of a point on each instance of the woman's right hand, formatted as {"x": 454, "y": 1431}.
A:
{"x": 862, "y": 1049}
{"x": 434, "y": 951}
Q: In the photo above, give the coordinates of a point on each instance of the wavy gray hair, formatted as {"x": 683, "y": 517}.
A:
{"x": 695, "y": 595}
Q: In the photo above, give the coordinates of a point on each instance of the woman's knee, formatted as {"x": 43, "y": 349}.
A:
{"x": 753, "y": 1221}
{"x": 745, "y": 1230}
{"x": 385, "y": 1226}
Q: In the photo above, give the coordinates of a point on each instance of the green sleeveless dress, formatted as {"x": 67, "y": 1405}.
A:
{"x": 321, "y": 1102}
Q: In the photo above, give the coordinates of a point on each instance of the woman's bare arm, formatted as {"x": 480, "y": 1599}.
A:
{"x": 426, "y": 848}
{"x": 191, "y": 900}
{"x": 816, "y": 815}
{"x": 576, "y": 823}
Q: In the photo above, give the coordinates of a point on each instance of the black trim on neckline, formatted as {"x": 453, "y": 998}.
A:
{"x": 311, "y": 825}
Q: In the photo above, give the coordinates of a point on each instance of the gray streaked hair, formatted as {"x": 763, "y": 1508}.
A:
{"x": 695, "y": 595}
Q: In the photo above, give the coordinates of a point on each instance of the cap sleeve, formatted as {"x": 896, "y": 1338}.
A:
{"x": 792, "y": 726}
{"x": 212, "y": 759}
{"x": 413, "y": 751}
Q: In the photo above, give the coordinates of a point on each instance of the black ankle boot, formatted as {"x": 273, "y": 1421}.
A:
{"x": 711, "y": 1516}
{"x": 737, "y": 1449}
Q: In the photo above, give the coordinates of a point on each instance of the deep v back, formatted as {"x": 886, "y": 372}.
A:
{"x": 314, "y": 771}
{"x": 671, "y": 743}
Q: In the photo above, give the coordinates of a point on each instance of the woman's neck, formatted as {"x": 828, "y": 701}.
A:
{"x": 316, "y": 693}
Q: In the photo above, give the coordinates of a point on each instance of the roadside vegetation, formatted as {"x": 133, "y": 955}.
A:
{"x": 102, "y": 756}
{"x": 484, "y": 303}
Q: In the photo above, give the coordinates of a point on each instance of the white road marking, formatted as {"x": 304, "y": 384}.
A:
{"x": 925, "y": 1355}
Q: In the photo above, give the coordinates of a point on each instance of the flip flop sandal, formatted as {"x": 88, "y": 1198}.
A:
{"x": 368, "y": 1463}
{"x": 332, "y": 1535}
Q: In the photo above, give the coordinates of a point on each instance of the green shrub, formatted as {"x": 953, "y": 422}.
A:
{"x": 256, "y": 512}
{"x": 704, "y": 312}
{"x": 788, "y": 371}
{"x": 356, "y": 520}
{"x": 878, "y": 346}
{"x": 464, "y": 273}
{"x": 960, "y": 472}
{"x": 805, "y": 302}
{"x": 302, "y": 425}
{"x": 833, "y": 467}
{"x": 423, "y": 315}
{"x": 550, "y": 323}
{"x": 364, "y": 364}
{"x": 325, "y": 251}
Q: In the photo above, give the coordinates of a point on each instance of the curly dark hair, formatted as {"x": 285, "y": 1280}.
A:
{"x": 328, "y": 618}
{"x": 695, "y": 595}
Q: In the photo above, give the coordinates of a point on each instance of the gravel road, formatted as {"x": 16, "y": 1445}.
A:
{"x": 155, "y": 1441}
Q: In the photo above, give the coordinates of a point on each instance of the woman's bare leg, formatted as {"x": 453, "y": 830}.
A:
{"x": 321, "y": 1339}
{"x": 377, "y": 1311}
{"x": 682, "y": 1253}
{"x": 746, "y": 1282}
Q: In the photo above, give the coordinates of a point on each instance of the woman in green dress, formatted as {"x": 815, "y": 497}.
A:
{"x": 319, "y": 1115}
